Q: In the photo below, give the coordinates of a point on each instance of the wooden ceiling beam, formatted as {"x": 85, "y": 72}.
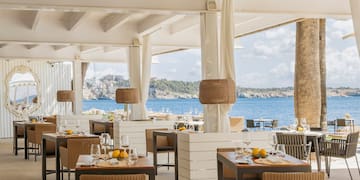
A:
{"x": 153, "y": 23}
{"x": 113, "y": 20}
{"x": 72, "y": 20}
{"x": 184, "y": 24}
{"x": 153, "y": 6}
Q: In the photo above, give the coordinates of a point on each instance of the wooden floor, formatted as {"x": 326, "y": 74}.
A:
{"x": 16, "y": 168}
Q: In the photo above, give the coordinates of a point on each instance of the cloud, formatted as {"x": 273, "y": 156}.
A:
{"x": 343, "y": 67}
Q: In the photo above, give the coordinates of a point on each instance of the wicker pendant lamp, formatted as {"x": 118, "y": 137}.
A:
{"x": 217, "y": 91}
{"x": 127, "y": 96}
{"x": 65, "y": 96}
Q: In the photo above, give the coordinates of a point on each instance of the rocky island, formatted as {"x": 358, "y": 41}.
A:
{"x": 105, "y": 87}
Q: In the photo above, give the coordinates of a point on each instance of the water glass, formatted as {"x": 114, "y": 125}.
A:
{"x": 280, "y": 150}
{"x": 95, "y": 151}
{"x": 125, "y": 142}
{"x": 133, "y": 156}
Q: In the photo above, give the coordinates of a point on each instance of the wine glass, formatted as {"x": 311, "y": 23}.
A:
{"x": 63, "y": 126}
{"x": 280, "y": 150}
{"x": 95, "y": 151}
{"x": 246, "y": 140}
{"x": 77, "y": 126}
{"x": 133, "y": 156}
{"x": 125, "y": 142}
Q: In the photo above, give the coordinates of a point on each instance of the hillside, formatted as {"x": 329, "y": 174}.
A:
{"x": 105, "y": 87}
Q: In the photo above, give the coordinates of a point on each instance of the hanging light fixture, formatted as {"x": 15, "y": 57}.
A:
{"x": 65, "y": 96}
{"x": 217, "y": 91}
{"x": 127, "y": 96}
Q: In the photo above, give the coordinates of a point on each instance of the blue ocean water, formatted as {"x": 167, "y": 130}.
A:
{"x": 274, "y": 108}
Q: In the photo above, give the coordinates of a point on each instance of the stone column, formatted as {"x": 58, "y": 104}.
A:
{"x": 307, "y": 95}
{"x": 322, "y": 59}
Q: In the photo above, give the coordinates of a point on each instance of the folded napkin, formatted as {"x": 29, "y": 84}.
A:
{"x": 271, "y": 160}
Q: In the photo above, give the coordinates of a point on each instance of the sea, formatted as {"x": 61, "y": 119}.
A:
{"x": 250, "y": 108}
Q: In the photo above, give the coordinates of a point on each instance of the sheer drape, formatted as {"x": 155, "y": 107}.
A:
{"x": 226, "y": 57}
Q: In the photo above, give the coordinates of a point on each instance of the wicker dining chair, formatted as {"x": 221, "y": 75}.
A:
{"x": 34, "y": 138}
{"x": 340, "y": 148}
{"x": 250, "y": 123}
{"x": 294, "y": 176}
{"x": 272, "y": 124}
{"x": 69, "y": 154}
{"x": 164, "y": 144}
{"x": 295, "y": 145}
{"x": 113, "y": 177}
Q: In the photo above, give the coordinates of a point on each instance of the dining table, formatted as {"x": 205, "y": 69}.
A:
{"x": 86, "y": 165}
{"x": 258, "y": 166}
{"x": 58, "y": 139}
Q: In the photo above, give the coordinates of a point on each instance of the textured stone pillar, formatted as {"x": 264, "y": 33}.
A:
{"x": 322, "y": 59}
{"x": 307, "y": 95}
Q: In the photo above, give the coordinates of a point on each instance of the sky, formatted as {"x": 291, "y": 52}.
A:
{"x": 266, "y": 59}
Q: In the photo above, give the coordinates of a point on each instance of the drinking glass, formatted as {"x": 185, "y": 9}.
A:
{"x": 273, "y": 145}
{"x": 64, "y": 125}
{"x": 77, "y": 126}
{"x": 246, "y": 140}
{"x": 105, "y": 141}
{"x": 95, "y": 151}
{"x": 133, "y": 156}
{"x": 125, "y": 142}
{"x": 303, "y": 122}
{"x": 239, "y": 151}
{"x": 280, "y": 150}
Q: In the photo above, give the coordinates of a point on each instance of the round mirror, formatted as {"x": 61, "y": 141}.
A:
{"x": 22, "y": 91}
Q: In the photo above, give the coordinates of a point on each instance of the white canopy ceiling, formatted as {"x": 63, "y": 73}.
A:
{"x": 102, "y": 30}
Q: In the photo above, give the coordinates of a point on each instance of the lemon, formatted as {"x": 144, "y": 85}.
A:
{"x": 263, "y": 153}
{"x": 182, "y": 128}
{"x": 124, "y": 154}
{"x": 255, "y": 152}
{"x": 116, "y": 153}
{"x": 69, "y": 132}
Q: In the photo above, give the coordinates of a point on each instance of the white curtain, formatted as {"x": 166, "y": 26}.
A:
{"x": 227, "y": 69}
{"x": 135, "y": 78}
{"x": 355, "y": 11}
{"x": 209, "y": 64}
{"x": 146, "y": 73}
{"x": 139, "y": 76}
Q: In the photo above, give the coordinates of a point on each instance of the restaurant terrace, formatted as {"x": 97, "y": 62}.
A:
{"x": 45, "y": 50}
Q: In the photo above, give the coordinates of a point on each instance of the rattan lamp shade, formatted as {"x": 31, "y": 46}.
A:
{"x": 65, "y": 96}
{"x": 127, "y": 96}
{"x": 217, "y": 91}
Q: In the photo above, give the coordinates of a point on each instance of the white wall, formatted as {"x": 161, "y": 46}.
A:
{"x": 52, "y": 78}
{"x": 197, "y": 151}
